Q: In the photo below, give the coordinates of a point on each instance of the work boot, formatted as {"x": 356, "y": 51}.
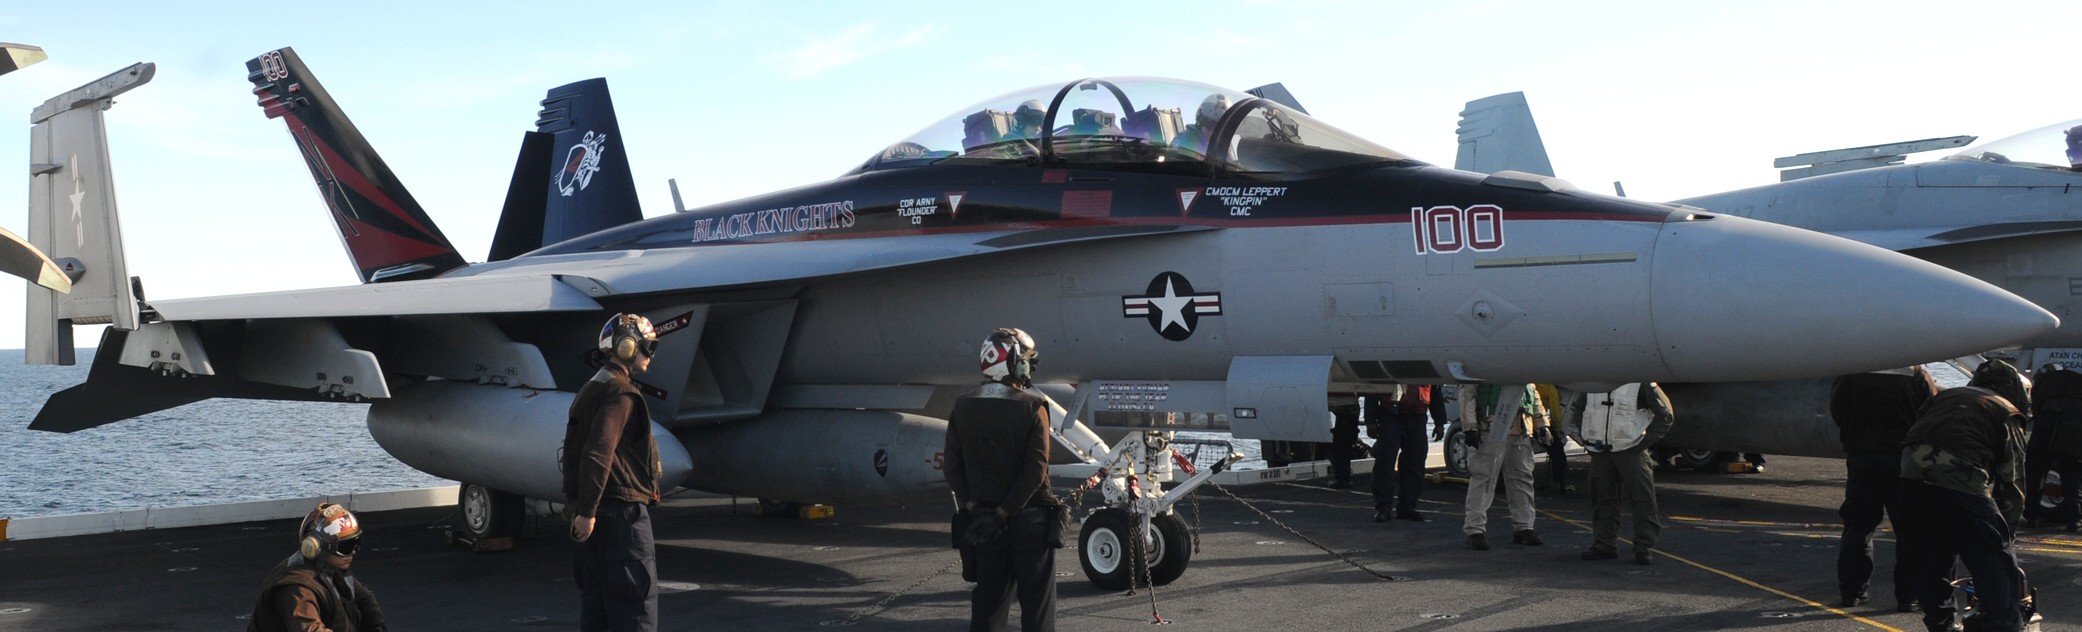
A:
{"x": 1478, "y": 542}
{"x": 1853, "y": 601}
{"x": 1380, "y": 515}
{"x": 1410, "y": 515}
{"x": 1940, "y": 619}
{"x": 1527, "y": 537}
{"x": 1340, "y": 484}
{"x": 1591, "y": 555}
{"x": 1644, "y": 558}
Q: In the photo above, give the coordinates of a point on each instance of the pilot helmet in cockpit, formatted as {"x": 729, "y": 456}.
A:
{"x": 1028, "y": 119}
{"x": 1211, "y": 110}
{"x": 2075, "y": 148}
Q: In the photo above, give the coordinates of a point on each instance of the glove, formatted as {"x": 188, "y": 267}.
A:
{"x": 1543, "y": 437}
{"x": 1472, "y": 439}
{"x": 984, "y": 528}
{"x": 1438, "y": 432}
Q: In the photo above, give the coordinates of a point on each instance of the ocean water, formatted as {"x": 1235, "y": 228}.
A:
{"x": 209, "y": 452}
{"x": 228, "y": 450}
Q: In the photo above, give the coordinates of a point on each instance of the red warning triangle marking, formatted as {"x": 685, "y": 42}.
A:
{"x": 1185, "y": 200}
{"x": 954, "y": 203}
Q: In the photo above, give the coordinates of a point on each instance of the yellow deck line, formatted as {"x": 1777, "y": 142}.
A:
{"x": 1745, "y": 581}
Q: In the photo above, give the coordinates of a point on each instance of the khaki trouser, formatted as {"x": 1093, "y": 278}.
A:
{"x": 1511, "y": 457}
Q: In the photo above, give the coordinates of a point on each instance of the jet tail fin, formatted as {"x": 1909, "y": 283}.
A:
{"x": 387, "y": 235}
{"x": 1497, "y": 134}
{"x": 572, "y": 176}
{"x": 72, "y": 217}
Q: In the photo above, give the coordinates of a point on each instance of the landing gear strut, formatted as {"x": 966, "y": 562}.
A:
{"x": 1138, "y": 537}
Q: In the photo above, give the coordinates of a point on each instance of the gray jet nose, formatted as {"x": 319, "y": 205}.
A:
{"x": 1740, "y": 300}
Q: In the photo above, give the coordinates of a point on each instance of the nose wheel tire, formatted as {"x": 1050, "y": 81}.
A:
{"x": 1457, "y": 454}
{"x": 779, "y": 508}
{"x": 1106, "y": 550}
{"x": 1702, "y": 460}
{"x": 488, "y": 513}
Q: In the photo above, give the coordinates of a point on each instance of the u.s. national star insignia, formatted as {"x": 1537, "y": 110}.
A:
{"x": 1171, "y": 306}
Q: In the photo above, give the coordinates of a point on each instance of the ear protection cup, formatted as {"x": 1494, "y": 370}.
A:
{"x": 625, "y": 347}
{"x": 1020, "y": 367}
{"x": 309, "y": 548}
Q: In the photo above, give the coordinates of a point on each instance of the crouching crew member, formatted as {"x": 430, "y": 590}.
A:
{"x": 1618, "y": 428}
{"x": 1959, "y": 496}
{"x": 611, "y": 473}
{"x": 315, "y": 589}
{"x": 997, "y": 466}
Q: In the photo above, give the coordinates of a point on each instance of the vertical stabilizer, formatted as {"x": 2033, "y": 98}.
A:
{"x": 388, "y": 236}
{"x": 72, "y": 217}
{"x": 582, "y": 185}
{"x": 1497, "y": 134}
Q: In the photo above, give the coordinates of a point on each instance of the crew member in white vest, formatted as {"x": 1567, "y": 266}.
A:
{"x": 1617, "y": 428}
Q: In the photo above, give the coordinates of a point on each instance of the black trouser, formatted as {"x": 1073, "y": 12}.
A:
{"x": 1022, "y": 559}
{"x": 1627, "y": 475}
{"x": 1344, "y": 433}
{"x": 617, "y": 570}
{"x": 1938, "y": 525}
{"x": 1399, "y": 455}
{"x": 1558, "y": 462}
{"x": 2037, "y": 461}
{"x": 1872, "y": 488}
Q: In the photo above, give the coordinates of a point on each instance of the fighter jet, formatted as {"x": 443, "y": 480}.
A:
{"x": 1174, "y": 247}
{"x": 2006, "y": 212}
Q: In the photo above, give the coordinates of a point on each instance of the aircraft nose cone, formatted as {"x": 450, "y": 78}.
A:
{"x": 1740, "y": 300}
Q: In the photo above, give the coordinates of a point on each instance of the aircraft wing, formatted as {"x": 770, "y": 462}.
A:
{"x": 482, "y": 295}
{"x": 19, "y": 258}
{"x": 571, "y": 282}
{"x": 1911, "y": 238}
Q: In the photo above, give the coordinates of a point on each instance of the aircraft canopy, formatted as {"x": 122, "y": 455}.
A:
{"x": 1143, "y": 121}
{"x": 2057, "y": 146}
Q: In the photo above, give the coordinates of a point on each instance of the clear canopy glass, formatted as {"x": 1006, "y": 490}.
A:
{"x": 2057, "y": 146}
{"x": 1135, "y": 120}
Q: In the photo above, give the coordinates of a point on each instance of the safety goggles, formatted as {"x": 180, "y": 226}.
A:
{"x": 647, "y": 346}
{"x": 347, "y": 547}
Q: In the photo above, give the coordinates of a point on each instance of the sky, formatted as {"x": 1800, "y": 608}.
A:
{"x": 740, "y": 98}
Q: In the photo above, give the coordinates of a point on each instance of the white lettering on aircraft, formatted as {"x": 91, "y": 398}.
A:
{"x": 787, "y": 219}
{"x": 917, "y": 208}
{"x": 1450, "y": 229}
{"x": 1241, "y": 200}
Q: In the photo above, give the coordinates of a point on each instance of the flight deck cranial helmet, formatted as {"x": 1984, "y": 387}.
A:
{"x": 625, "y": 336}
{"x": 1009, "y": 356}
{"x": 329, "y": 529}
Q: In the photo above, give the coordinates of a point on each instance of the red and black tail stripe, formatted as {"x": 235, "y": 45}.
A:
{"x": 387, "y": 234}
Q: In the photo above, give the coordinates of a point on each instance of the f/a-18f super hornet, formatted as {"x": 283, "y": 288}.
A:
{"x": 1175, "y": 247}
{"x": 2007, "y": 212}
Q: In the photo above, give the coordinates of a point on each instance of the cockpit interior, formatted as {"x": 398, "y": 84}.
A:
{"x": 1139, "y": 123}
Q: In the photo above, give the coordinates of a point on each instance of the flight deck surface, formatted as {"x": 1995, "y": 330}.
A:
{"x": 1753, "y": 552}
